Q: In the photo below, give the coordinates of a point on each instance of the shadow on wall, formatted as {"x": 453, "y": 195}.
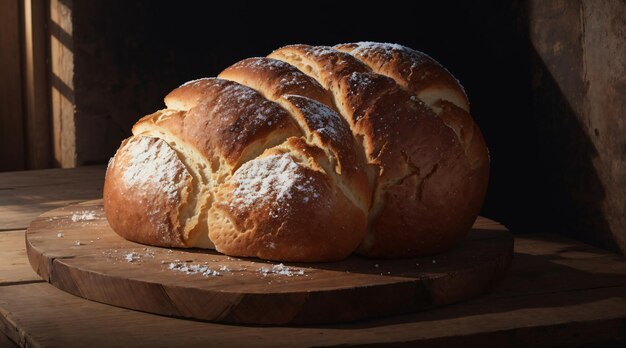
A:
{"x": 569, "y": 193}
{"x": 561, "y": 188}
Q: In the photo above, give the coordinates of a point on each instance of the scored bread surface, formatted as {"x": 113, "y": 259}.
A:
{"x": 307, "y": 155}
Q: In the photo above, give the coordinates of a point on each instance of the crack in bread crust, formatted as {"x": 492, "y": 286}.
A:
{"x": 145, "y": 191}
{"x": 194, "y": 214}
{"x": 313, "y": 109}
{"x": 360, "y": 95}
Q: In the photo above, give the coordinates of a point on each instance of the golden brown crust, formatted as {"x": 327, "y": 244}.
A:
{"x": 418, "y": 205}
{"x": 355, "y": 91}
{"x": 412, "y": 69}
{"x": 274, "y": 79}
{"x": 430, "y": 82}
{"x": 475, "y": 150}
{"x": 344, "y": 224}
{"x": 327, "y": 130}
{"x": 165, "y": 124}
{"x": 306, "y": 155}
{"x": 145, "y": 186}
{"x": 277, "y": 207}
{"x": 312, "y": 107}
{"x": 232, "y": 123}
{"x": 433, "y": 84}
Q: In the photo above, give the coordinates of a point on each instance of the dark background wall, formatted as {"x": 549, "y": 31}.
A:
{"x": 129, "y": 54}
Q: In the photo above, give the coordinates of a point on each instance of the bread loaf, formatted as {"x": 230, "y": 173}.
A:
{"x": 307, "y": 155}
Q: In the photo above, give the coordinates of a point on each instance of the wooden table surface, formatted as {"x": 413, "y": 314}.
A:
{"x": 558, "y": 292}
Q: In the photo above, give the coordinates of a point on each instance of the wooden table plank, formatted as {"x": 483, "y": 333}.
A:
{"x": 54, "y": 176}
{"x": 528, "y": 308}
{"x": 14, "y": 265}
{"x": 545, "y": 263}
{"x": 46, "y": 316}
{"x": 6, "y": 342}
{"x": 26, "y": 195}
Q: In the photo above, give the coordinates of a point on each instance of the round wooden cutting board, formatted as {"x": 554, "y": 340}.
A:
{"x": 74, "y": 249}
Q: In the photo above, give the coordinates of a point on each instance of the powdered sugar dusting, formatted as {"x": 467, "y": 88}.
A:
{"x": 111, "y": 162}
{"x": 274, "y": 178}
{"x": 320, "y": 51}
{"x": 195, "y": 82}
{"x": 241, "y": 94}
{"x": 363, "y": 46}
{"x": 361, "y": 79}
{"x": 263, "y": 63}
{"x": 320, "y": 118}
{"x": 152, "y": 163}
{"x": 393, "y": 52}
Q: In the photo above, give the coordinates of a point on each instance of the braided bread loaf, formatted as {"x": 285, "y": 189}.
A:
{"x": 307, "y": 155}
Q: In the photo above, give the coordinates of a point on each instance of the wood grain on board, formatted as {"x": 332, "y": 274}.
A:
{"x": 75, "y": 249}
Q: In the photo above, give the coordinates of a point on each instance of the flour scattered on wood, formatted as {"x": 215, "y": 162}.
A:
{"x": 85, "y": 215}
{"x": 280, "y": 269}
{"x": 60, "y": 235}
{"x": 138, "y": 255}
{"x": 135, "y": 255}
{"x": 77, "y": 243}
{"x": 193, "y": 269}
{"x": 131, "y": 257}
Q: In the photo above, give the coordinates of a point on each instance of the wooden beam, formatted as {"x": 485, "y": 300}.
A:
{"x": 36, "y": 91}
{"x": 11, "y": 119}
{"x": 62, "y": 83}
